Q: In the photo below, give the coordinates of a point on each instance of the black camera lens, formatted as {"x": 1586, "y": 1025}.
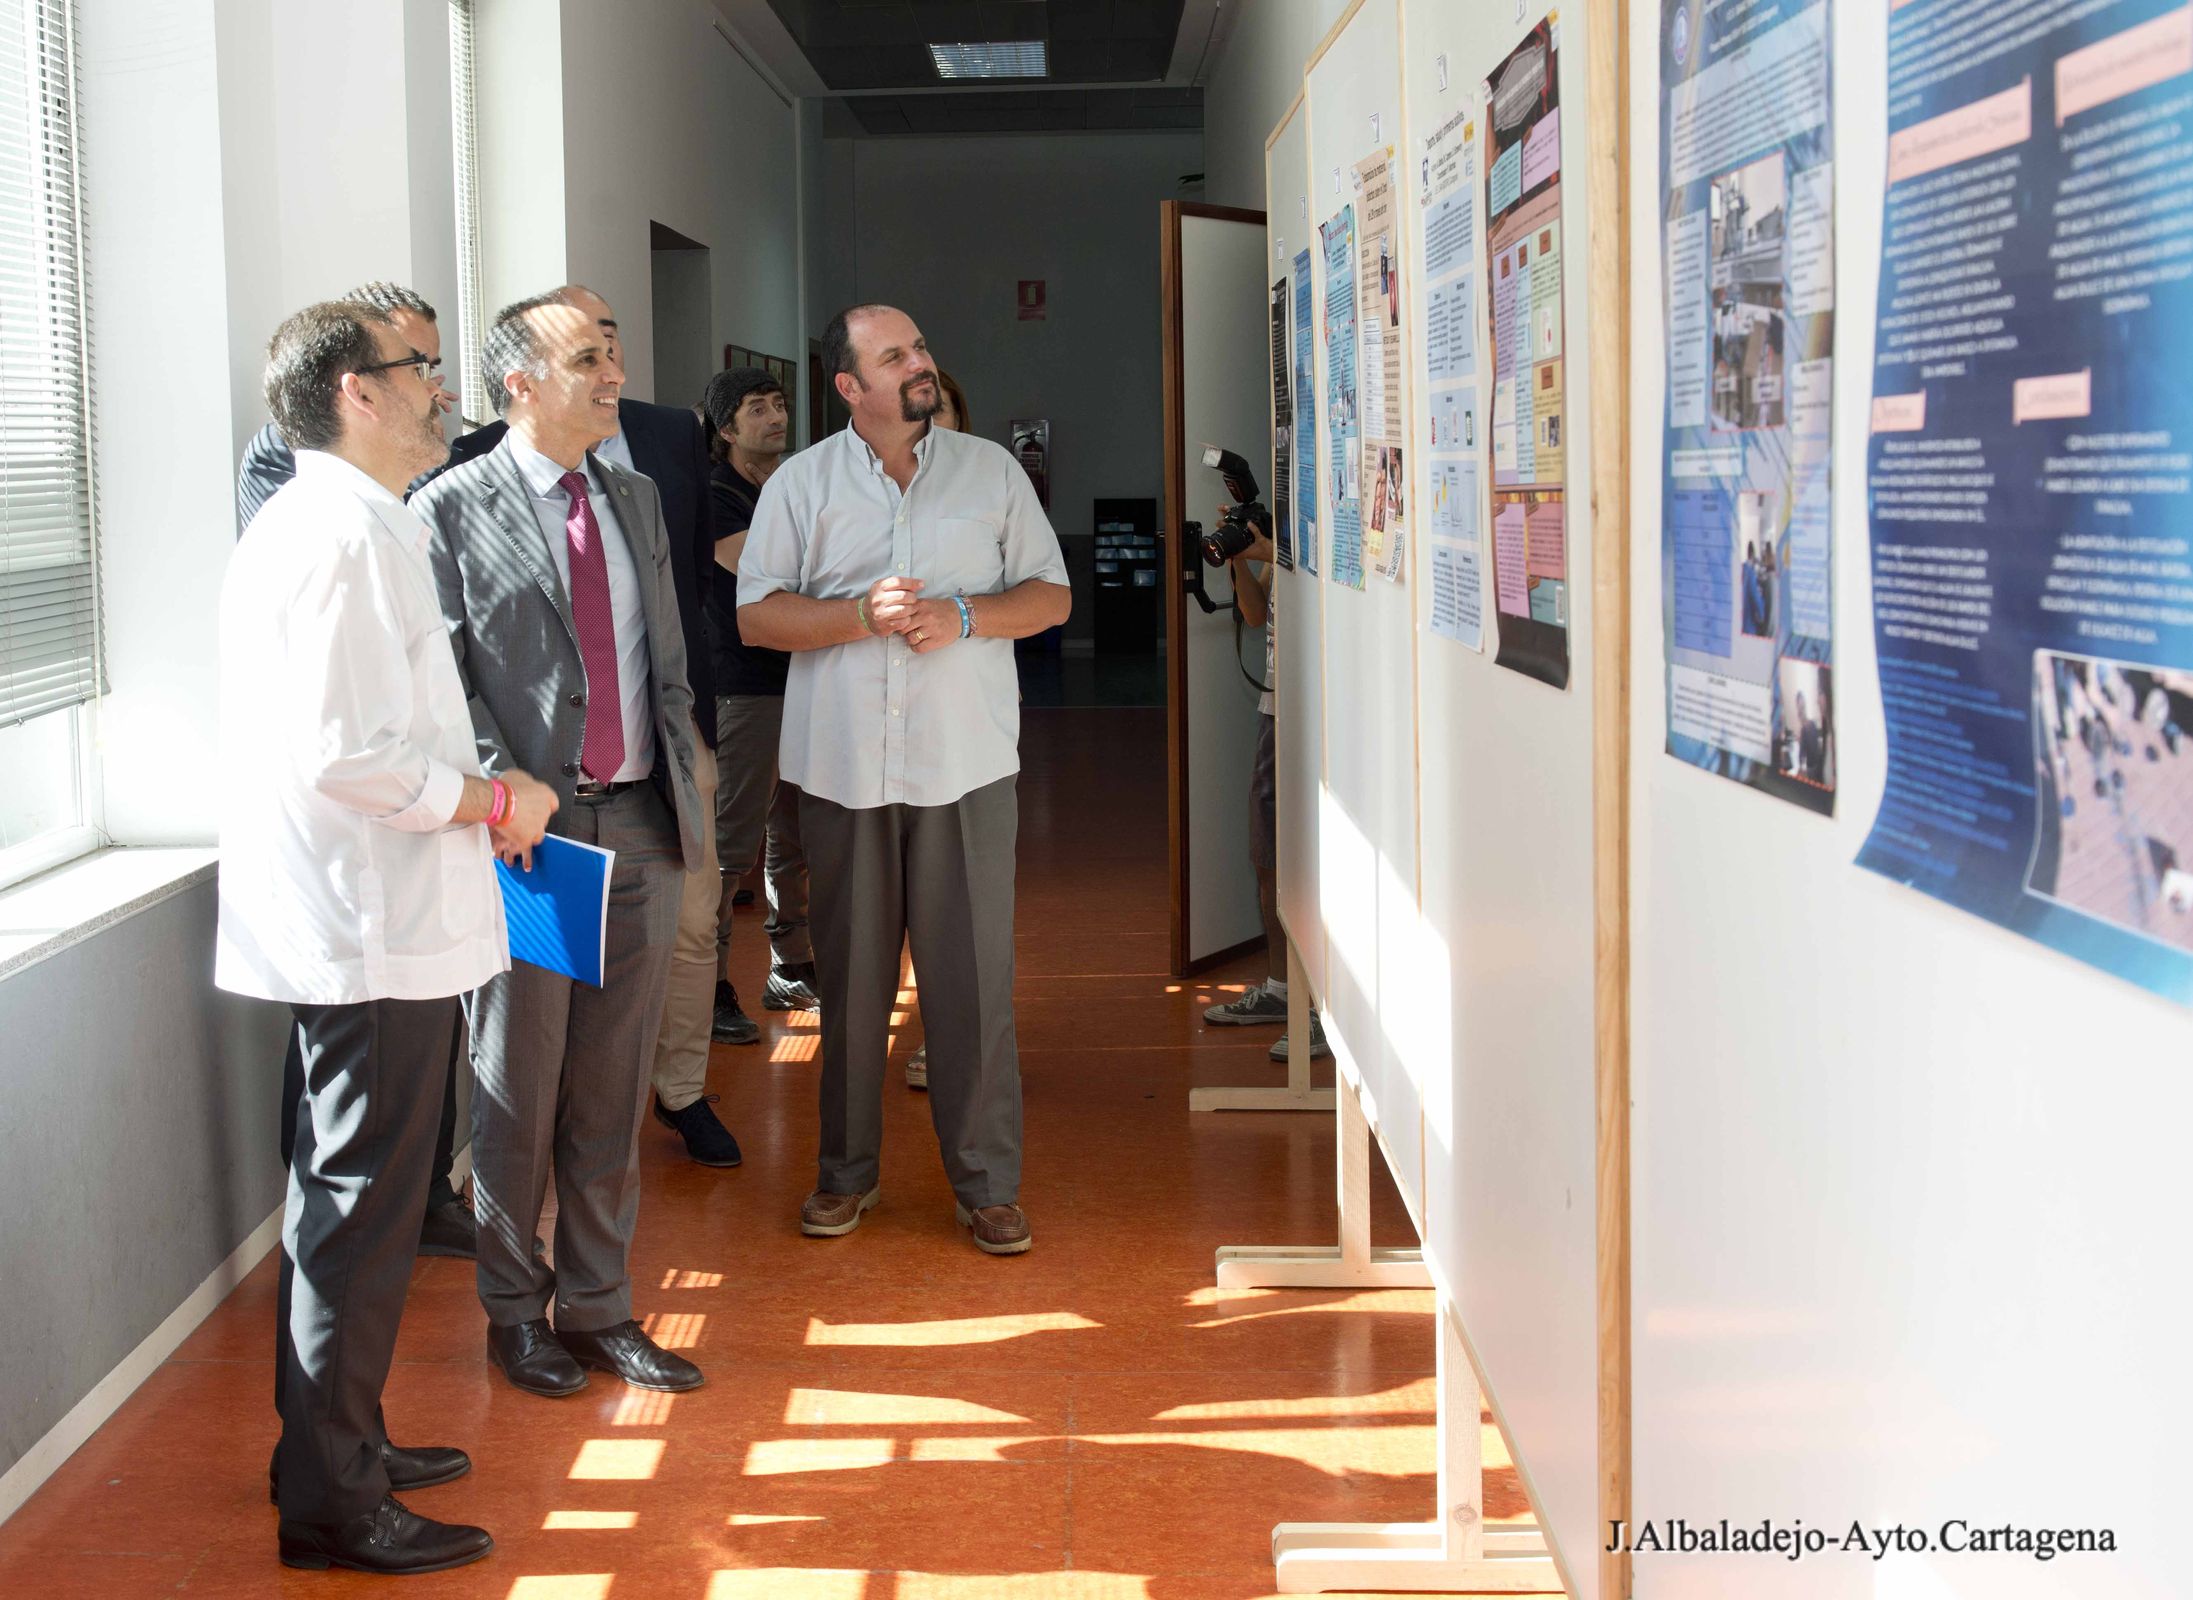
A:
{"x": 1227, "y": 540}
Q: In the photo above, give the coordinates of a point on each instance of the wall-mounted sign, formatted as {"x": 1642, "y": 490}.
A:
{"x": 1032, "y": 299}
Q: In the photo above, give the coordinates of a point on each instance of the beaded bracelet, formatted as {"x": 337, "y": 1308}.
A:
{"x": 860, "y": 610}
{"x": 966, "y": 616}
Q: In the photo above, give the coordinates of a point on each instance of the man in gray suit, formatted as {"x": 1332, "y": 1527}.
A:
{"x": 554, "y": 571}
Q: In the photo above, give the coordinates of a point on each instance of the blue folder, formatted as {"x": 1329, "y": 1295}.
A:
{"x": 558, "y": 913}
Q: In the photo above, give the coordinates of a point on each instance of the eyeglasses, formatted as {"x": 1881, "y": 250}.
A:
{"x": 426, "y": 366}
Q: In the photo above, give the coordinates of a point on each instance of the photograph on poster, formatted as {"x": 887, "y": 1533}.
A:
{"x": 2114, "y": 833}
{"x": 1749, "y": 221}
{"x": 1807, "y": 744}
{"x": 1753, "y": 509}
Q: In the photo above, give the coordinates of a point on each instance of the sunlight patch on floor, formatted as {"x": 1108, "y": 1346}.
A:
{"x": 769, "y": 1458}
{"x": 675, "y": 1330}
{"x": 1417, "y": 1398}
{"x": 849, "y": 1408}
{"x": 564, "y": 1586}
{"x": 674, "y": 1279}
{"x": 573, "y": 1521}
{"x": 642, "y": 1408}
{"x": 617, "y": 1460}
{"x": 959, "y": 1330}
{"x": 1395, "y": 1449}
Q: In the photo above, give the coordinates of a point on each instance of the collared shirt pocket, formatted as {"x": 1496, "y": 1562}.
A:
{"x": 969, "y": 558}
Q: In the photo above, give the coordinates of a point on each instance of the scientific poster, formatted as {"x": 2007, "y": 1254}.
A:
{"x": 1282, "y": 427}
{"x": 1343, "y": 417}
{"x": 1378, "y": 303}
{"x": 1748, "y": 267}
{"x": 2030, "y": 467}
{"x": 1305, "y": 397}
{"x": 1530, "y": 557}
{"x": 1447, "y": 432}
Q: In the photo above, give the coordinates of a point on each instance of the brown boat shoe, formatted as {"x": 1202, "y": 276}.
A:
{"x": 998, "y": 1230}
{"x": 825, "y": 1215}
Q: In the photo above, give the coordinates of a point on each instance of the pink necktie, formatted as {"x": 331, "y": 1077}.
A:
{"x": 601, "y": 750}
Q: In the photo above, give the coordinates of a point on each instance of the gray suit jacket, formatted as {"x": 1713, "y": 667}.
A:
{"x": 517, "y": 649}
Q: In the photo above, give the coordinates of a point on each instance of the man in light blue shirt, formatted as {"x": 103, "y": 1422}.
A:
{"x": 898, "y": 562}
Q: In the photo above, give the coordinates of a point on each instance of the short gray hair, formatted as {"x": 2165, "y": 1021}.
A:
{"x": 308, "y": 358}
{"x": 514, "y": 345}
{"x": 390, "y": 298}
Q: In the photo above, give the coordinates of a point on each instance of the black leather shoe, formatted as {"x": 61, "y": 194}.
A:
{"x": 731, "y": 1025}
{"x": 628, "y": 1352}
{"x": 707, "y": 1140}
{"x": 532, "y": 1359}
{"x": 387, "y": 1539}
{"x": 450, "y": 1231}
{"x": 407, "y": 1469}
{"x": 745, "y": 897}
{"x": 791, "y": 988}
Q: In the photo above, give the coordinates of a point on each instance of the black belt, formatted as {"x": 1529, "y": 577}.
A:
{"x": 588, "y": 789}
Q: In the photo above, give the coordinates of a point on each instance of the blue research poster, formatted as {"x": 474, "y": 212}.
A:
{"x": 1305, "y": 422}
{"x": 1343, "y": 423}
{"x": 1747, "y": 175}
{"x": 2029, "y": 474}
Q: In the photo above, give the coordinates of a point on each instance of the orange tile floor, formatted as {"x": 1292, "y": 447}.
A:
{"x": 890, "y": 1415}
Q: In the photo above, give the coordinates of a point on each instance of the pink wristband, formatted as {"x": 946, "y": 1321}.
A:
{"x": 502, "y": 803}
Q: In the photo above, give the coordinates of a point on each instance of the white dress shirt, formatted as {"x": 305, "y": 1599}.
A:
{"x": 552, "y": 509}
{"x": 871, "y": 723}
{"x": 345, "y": 743}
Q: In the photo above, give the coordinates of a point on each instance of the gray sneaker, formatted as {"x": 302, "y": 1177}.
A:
{"x": 1319, "y": 1049}
{"x": 1259, "y": 1005}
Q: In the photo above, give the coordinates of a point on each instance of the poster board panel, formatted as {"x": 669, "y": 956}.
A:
{"x": 1298, "y": 595}
{"x": 1367, "y": 809}
{"x": 1504, "y": 1044}
{"x": 1991, "y": 1129}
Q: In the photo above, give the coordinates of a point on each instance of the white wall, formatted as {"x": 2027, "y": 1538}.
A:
{"x": 1910, "y": 1193}
{"x": 242, "y": 158}
{"x": 663, "y": 121}
{"x": 517, "y": 77}
{"x": 948, "y": 227}
{"x": 1255, "y": 76}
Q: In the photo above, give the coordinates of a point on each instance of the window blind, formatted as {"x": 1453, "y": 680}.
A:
{"x": 49, "y": 607}
{"x": 471, "y": 317}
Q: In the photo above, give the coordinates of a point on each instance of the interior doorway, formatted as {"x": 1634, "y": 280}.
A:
{"x": 684, "y": 320}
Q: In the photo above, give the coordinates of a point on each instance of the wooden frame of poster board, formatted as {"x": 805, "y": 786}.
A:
{"x": 1456, "y": 1551}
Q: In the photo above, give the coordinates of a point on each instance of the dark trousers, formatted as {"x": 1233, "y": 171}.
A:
{"x": 561, "y": 1080}
{"x": 941, "y": 879}
{"x": 440, "y": 1191}
{"x": 364, "y": 1141}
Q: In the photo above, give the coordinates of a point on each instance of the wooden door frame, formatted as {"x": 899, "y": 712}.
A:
{"x": 1607, "y": 95}
{"x": 1170, "y": 213}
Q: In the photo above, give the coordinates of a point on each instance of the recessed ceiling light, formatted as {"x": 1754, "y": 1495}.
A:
{"x": 1023, "y": 60}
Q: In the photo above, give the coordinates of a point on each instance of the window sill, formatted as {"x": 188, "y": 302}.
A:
{"x": 46, "y": 914}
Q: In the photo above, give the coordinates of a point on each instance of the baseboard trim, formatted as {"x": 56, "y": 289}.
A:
{"x": 84, "y": 1419}
{"x": 89, "y": 1414}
